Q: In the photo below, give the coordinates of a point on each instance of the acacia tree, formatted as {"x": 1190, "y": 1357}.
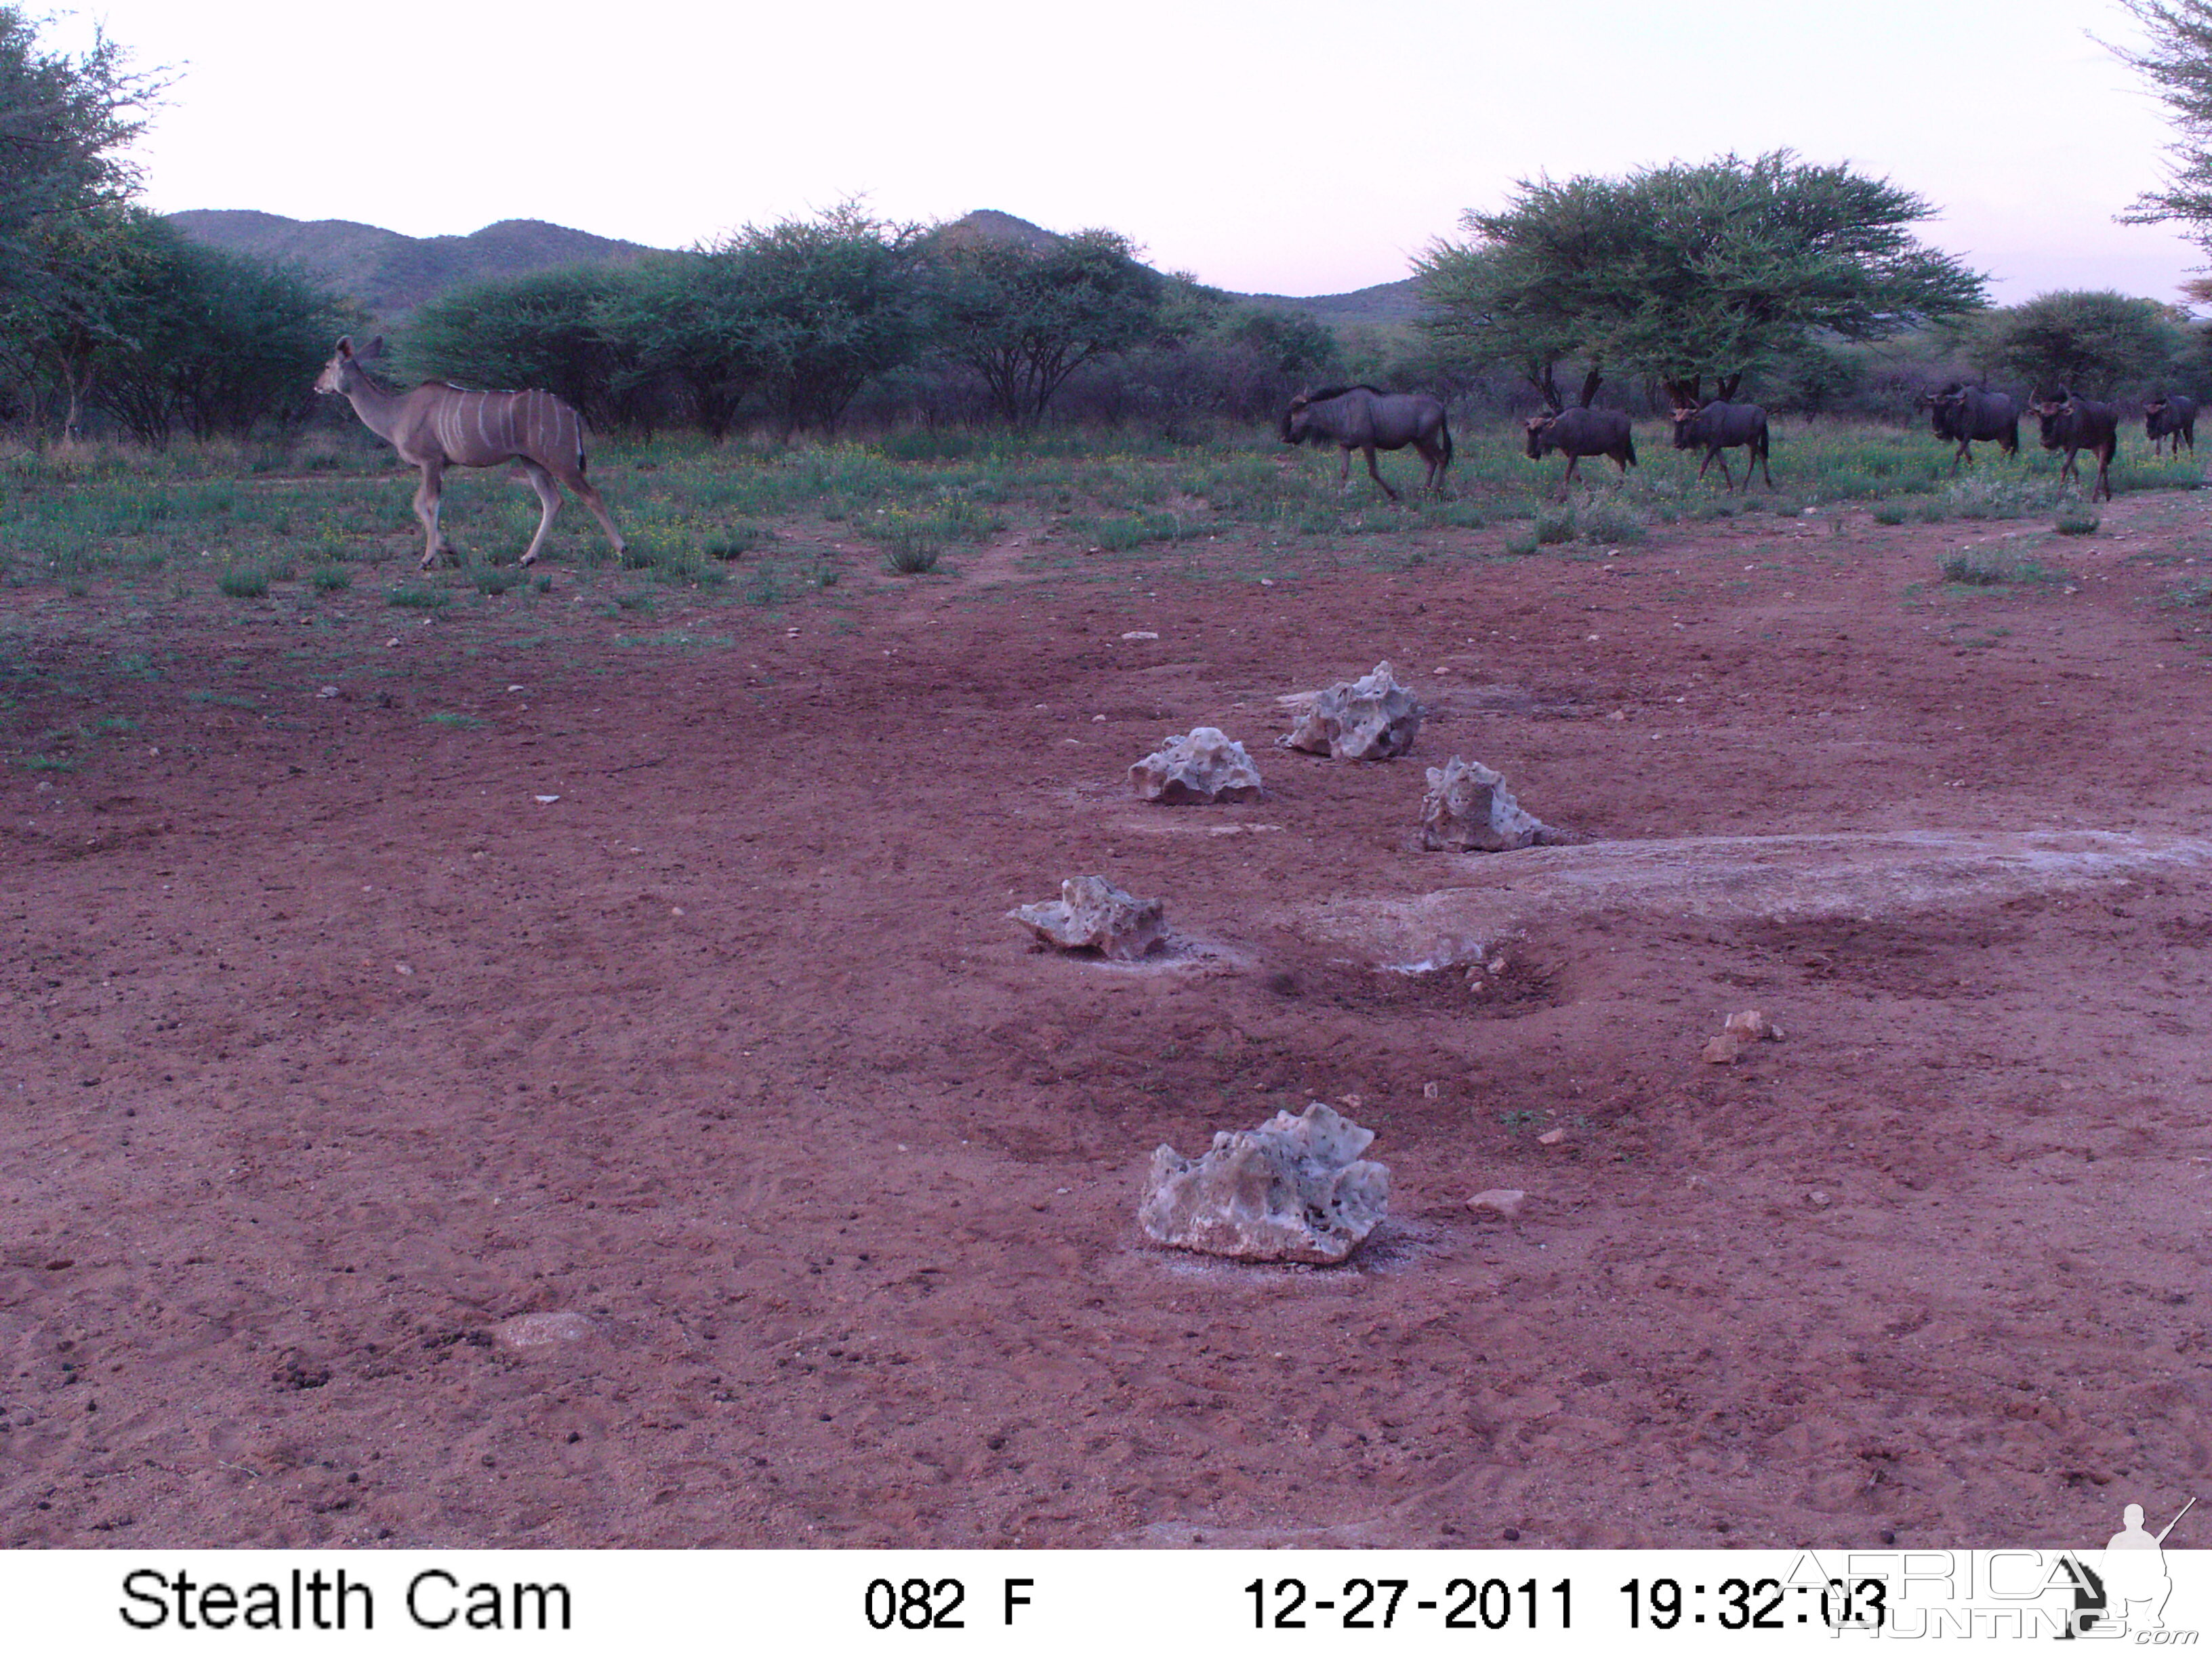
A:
{"x": 1026, "y": 319}
{"x": 1721, "y": 268}
{"x": 2178, "y": 62}
{"x": 2094, "y": 342}
{"x": 64, "y": 185}
{"x": 812, "y": 310}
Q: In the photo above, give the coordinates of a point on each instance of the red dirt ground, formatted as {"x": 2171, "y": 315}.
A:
{"x": 329, "y": 1048}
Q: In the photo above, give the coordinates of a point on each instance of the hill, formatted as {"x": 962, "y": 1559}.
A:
{"x": 391, "y": 274}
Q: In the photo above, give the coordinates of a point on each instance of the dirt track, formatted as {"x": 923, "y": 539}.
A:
{"x": 330, "y": 1047}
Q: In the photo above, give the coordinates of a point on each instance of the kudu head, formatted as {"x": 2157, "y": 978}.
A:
{"x": 1539, "y": 435}
{"x": 343, "y": 373}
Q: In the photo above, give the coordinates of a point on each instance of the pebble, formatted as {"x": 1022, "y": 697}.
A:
{"x": 1504, "y": 1200}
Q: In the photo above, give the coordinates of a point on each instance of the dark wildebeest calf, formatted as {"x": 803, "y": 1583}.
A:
{"x": 1720, "y": 426}
{"x": 2170, "y": 418}
{"x": 1575, "y": 433}
{"x": 1966, "y": 416}
{"x": 1360, "y": 417}
{"x": 2073, "y": 423}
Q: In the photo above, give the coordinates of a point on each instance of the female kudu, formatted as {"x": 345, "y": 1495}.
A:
{"x": 436, "y": 426}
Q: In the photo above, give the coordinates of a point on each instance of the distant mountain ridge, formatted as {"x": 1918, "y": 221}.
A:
{"x": 389, "y": 274}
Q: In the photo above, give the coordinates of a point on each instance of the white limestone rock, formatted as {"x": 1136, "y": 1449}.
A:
{"x": 1294, "y": 1189}
{"x": 1204, "y": 764}
{"x": 1470, "y": 810}
{"x": 1091, "y": 913}
{"x": 1371, "y": 717}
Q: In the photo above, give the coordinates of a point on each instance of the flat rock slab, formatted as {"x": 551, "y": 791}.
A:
{"x": 1868, "y": 874}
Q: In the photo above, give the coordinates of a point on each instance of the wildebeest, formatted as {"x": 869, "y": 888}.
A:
{"x": 2073, "y": 423}
{"x": 1361, "y": 418}
{"x": 1575, "y": 433}
{"x": 1966, "y": 416}
{"x": 2171, "y": 417}
{"x": 1720, "y": 426}
{"x": 436, "y": 426}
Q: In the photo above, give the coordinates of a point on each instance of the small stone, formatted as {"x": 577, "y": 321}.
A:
{"x": 1725, "y": 1049}
{"x": 1753, "y": 1025}
{"x": 1819, "y": 1201}
{"x": 1503, "y": 1201}
{"x": 1294, "y": 1189}
{"x": 1432, "y": 1091}
{"x": 1091, "y": 913}
{"x": 543, "y": 1330}
{"x": 328, "y": 691}
{"x": 1469, "y": 809}
{"x": 1204, "y": 764}
{"x": 1553, "y": 1138}
{"x": 1371, "y": 717}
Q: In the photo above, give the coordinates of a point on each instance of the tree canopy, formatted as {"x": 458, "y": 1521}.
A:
{"x": 1719, "y": 268}
{"x": 2095, "y": 342}
{"x": 2177, "y": 62}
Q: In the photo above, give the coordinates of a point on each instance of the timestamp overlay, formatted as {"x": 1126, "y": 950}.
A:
{"x": 661, "y": 1604}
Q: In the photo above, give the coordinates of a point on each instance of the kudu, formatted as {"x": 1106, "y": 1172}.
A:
{"x": 2171, "y": 417}
{"x": 1966, "y": 416}
{"x": 436, "y": 426}
{"x": 1720, "y": 426}
{"x": 1578, "y": 432}
{"x": 1361, "y": 418}
{"x": 2073, "y": 424}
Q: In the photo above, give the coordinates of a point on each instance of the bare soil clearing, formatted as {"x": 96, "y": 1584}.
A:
{"x": 332, "y": 1048}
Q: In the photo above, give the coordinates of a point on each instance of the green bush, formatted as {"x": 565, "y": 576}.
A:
{"x": 244, "y": 581}
{"x": 1555, "y": 524}
{"x": 2076, "y": 519}
{"x": 330, "y": 578}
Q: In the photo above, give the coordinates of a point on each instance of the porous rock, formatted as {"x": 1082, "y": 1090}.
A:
{"x": 1091, "y": 913}
{"x": 1204, "y": 764}
{"x": 1294, "y": 1189}
{"x": 1371, "y": 717}
{"x": 1469, "y": 809}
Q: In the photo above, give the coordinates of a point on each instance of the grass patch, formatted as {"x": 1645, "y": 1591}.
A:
{"x": 1988, "y": 567}
{"x": 244, "y": 581}
{"x": 417, "y": 599}
{"x": 2076, "y": 519}
{"x": 329, "y": 578}
{"x": 456, "y": 722}
{"x": 497, "y": 579}
{"x": 635, "y": 601}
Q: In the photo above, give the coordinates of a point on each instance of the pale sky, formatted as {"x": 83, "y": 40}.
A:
{"x": 1283, "y": 146}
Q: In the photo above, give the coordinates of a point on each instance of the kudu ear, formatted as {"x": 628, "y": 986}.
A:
{"x": 345, "y": 346}
{"x": 374, "y": 348}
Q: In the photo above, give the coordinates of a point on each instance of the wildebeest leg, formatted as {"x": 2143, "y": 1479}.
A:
{"x": 1764, "y": 468}
{"x": 2070, "y": 470}
{"x": 548, "y": 506}
{"x": 1729, "y": 478}
{"x": 1965, "y": 454}
{"x": 2104, "y": 453}
{"x": 1375, "y": 472}
{"x": 1434, "y": 455}
{"x": 1567, "y": 483}
{"x": 1344, "y": 472}
{"x": 428, "y": 498}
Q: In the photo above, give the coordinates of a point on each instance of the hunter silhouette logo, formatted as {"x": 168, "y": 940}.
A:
{"x": 2128, "y": 1589}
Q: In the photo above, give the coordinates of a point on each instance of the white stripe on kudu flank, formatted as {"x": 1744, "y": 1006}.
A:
{"x": 436, "y": 426}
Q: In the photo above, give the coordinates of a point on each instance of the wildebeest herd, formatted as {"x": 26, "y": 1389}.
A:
{"x": 1365, "y": 418}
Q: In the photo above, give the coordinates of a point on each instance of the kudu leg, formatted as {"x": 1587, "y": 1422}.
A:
{"x": 548, "y": 506}
{"x": 429, "y": 500}
{"x": 591, "y": 499}
{"x": 1567, "y": 483}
